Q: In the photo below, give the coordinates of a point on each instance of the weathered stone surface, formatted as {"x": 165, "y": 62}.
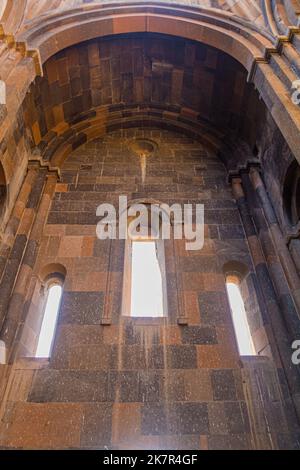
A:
{"x": 97, "y": 426}
{"x": 213, "y": 308}
{"x": 69, "y": 386}
{"x": 199, "y": 335}
{"x": 141, "y": 384}
{"x": 81, "y": 308}
{"x": 223, "y": 385}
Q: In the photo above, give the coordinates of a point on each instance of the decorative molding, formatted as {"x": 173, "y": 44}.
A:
{"x": 43, "y": 164}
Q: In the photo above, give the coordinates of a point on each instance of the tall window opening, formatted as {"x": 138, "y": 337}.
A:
{"x": 49, "y": 322}
{"x": 291, "y": 194}
{"x": 239, "y": 317}
{"x": 146, "y": 281}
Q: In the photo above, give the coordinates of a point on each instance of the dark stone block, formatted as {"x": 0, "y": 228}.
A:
{"x": 7, "y": 283}
{"x": 124, "y": 386}
{"x": 265, "y": 282}
{"x": 287, "y": 305}
{"x": 223, "y": 385}
{"x": 150, "y": 386}
{"x": 154, "y": 419}
{"x": 31, "y": 253}
{"x": 248, "y": 224}
{"x": 151, "y": 188}
{"x": 36, "y": 191}
{"x": 288, "y": 441}
{"x": 68, "y": 386}
{"x": 214, "y": 308}
{"x": 101, "y": 248}
{"x": 84, "y": 308}
{"x": 231, "y": 232}
{"x": 213, "y": 232}
{"x": 81, "y": 187}
{"x": 182, "y": 357}
{"x": 193, "y": 418}
{"x": 131, "y": 335}
{"x": 230, "y": 217}
{"x": 173, "y": 385}
{"x": 198, "y": 335}
{"x": 187, "y": 442}
{"x": 18, "y": 247}
{"x": 237, "y": 418}
{"x": 260, "y": 220}
{"x": 156, "y": 357}
{"x": 133, "y": 357}
{"x": 75, "y": 86}
{"x": 254, "y": 288}
{"x": 73, "y": 218}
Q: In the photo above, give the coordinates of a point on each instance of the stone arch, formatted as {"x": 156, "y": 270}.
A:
{"x": 217, "y": 29}
{"x": 48, "y": 34}
{"x": 48, "y": 275}
{"x": 58, "y": 149}
{"x": 240, "y": 39}
{"x": 237, "y": 272}
{"x": 85, "y": 112}
{"x": 235, "y": 269}
{"x": 53, "y": 271}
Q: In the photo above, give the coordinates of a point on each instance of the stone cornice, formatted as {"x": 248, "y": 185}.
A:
{"x": 33, "y": 42}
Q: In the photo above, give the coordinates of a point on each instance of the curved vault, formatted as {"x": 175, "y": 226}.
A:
{"x": 139, "y": 80}
{"x": 71, "y": 24}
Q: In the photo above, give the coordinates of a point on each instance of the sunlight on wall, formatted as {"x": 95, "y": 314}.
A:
{"x": 239, "y": 316}
{"x": 146, "y": 283}
{"x": 49, "y": 322}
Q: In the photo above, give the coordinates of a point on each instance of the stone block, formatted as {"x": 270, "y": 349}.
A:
{"x": 83, "y": 308}
{"x": 223, "y": 385}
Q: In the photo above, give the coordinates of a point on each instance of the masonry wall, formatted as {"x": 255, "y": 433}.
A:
{"x": 139, "y": 383}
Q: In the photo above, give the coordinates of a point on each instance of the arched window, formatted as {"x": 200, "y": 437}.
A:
{"x": 49, "y": 322}
{"x": 144, "y": 285}
{"x": 42, "y": 313}
{"x": 239, "y": 316}
{"x": 291, "y": 193}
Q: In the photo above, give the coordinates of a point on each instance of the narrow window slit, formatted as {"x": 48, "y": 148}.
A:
{"x": 240, "y": 321}
{"x": 49, "y": 321}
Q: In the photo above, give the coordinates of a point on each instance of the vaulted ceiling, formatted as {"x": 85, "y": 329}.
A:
{"x": 139, "y": 79}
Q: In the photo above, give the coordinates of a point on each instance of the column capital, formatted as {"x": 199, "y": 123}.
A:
{"x": 247, "y": 168}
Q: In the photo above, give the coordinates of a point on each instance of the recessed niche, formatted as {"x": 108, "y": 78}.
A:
{"x": 143, "y": 147}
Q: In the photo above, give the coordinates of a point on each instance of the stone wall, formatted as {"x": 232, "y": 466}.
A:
{"x": 136, "y": 383}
